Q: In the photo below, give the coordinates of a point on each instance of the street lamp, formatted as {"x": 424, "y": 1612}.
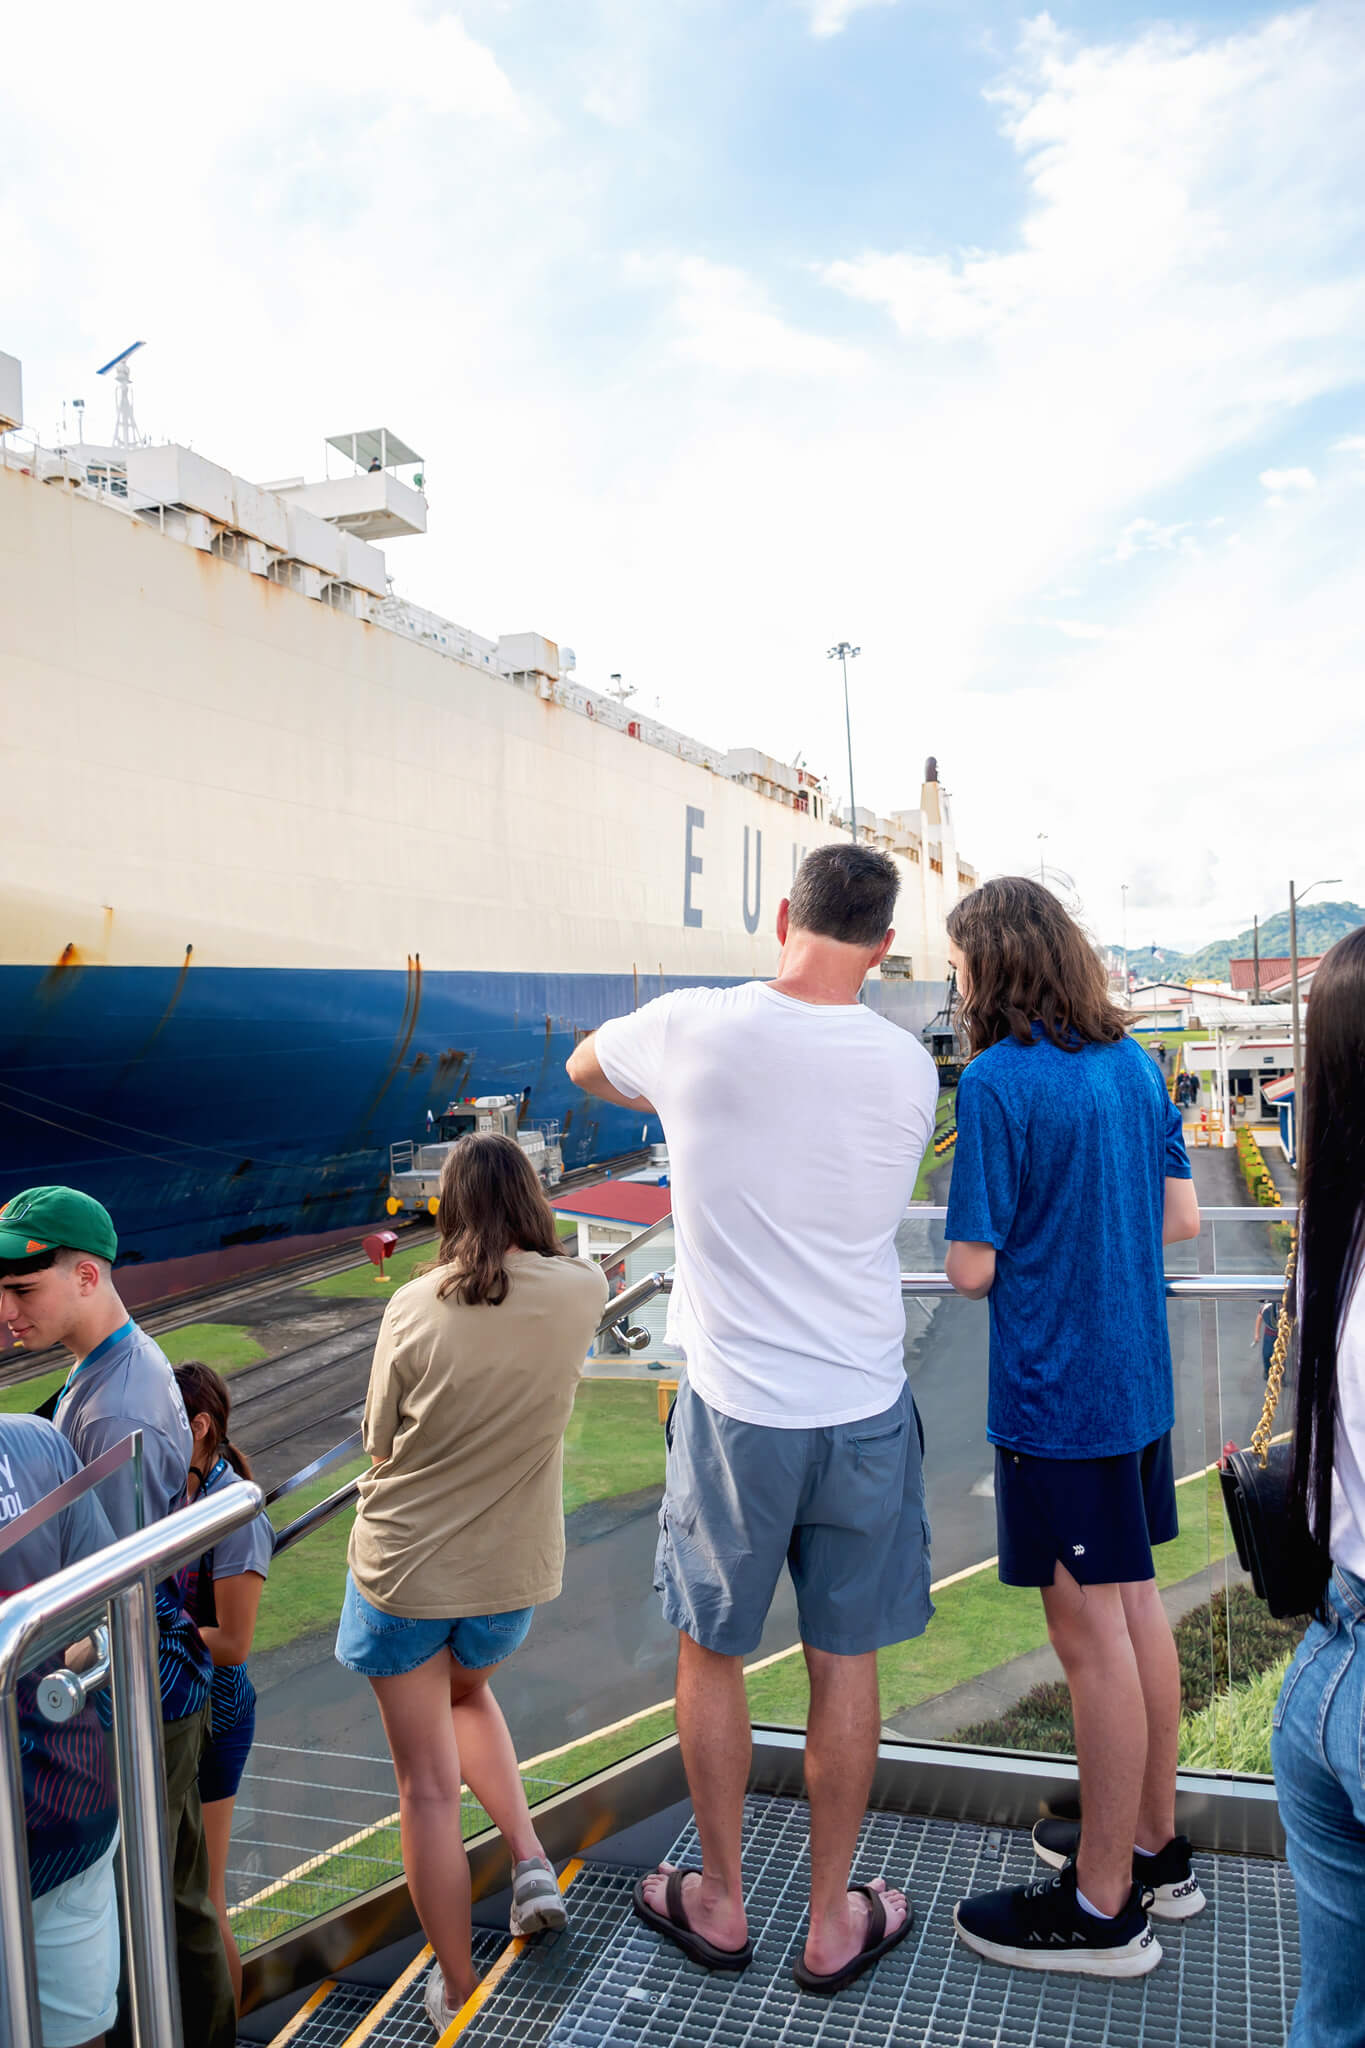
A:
{"x": 843, "y": 653}
{"x": 1326, "y": 882}
{"x": 1127, "y": 995}
{"x": 1042, "y": 838}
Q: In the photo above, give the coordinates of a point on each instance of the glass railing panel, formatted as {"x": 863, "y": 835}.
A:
{"x": 594, "y": 1682}
{"x": 314, "y": 1820}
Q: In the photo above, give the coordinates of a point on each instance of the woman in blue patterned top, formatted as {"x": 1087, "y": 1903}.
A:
{"x": 224, "y": 1602}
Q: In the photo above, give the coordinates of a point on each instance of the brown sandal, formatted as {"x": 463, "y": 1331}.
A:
{"x": 672, "y": 1924}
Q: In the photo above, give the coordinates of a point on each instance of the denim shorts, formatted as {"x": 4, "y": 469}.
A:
{"x": 380, "y": 1645}
{"x": 222, "y": 1760}
{"x": 1100, "y": 1516}
{"x": 842, "y": 1508}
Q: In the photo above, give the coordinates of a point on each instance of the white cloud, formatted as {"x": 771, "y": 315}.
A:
{"x": 1282, "y": 480}
{"x": 831, "y": 17}
{"x": 1352, "y": 444}
{"x": 1144, "y": 536}
{"x": 725, "y": 322}
{"x": 704, "y": 480}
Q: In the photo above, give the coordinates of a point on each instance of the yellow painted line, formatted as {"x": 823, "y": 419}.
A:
{"x": 304, "y": 2013}
{"x": 489, "y": 1983}
{"x": 390, "y": 1998}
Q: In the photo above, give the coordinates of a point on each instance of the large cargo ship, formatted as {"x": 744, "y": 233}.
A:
{"x": 290, "y": 862}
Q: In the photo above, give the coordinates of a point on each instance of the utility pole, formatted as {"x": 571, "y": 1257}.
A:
{"x": 844, "y": 654}
{"x": 1256, "y": 948}
{"x": 1127, "y": 986}
{"x": 1294, "y": 902}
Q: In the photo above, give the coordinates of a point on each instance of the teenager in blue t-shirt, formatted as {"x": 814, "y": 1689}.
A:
{"x": 1069, "y": 1175}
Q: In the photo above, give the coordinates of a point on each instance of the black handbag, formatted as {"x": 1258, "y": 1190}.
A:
{"x": 1288, "y": 1569}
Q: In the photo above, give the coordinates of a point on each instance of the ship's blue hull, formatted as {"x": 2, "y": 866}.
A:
{"x": 223, "y": 1107}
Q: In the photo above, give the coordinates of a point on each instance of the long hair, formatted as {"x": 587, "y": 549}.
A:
{"x": 1025, "y": 958}
{"x": 1332, "y": 1214}
{"x": 205, "y": 1393}
{"x": 491, "y": 1203}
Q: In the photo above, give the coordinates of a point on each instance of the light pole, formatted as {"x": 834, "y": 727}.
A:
{"x": 843, "y": 653}
{"x": 1042, "y": 836}
{"x": 1294, "y": 901}
{"x": 1127, "y": 998}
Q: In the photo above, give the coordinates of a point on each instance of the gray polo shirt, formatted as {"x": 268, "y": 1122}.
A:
{"x": 126, "y": 1383}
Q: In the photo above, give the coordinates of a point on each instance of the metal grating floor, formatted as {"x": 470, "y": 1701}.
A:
{"x": 406, "y": 2025}
{"x": 552, "y": 1974}
{"x": 1227, "y": 1980}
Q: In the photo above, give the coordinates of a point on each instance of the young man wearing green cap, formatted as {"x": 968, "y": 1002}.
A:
{"x": 57, "y": 1248}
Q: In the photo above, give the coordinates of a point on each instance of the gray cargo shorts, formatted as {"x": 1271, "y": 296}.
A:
{"x": 843, "y": 1507}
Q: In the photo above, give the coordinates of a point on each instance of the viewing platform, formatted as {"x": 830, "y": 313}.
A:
{"x": 317, "y": 1894}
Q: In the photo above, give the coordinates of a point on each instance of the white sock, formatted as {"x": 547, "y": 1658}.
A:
{"x": 1150, "y": 1854}
{"x": 1083, "y": 1902}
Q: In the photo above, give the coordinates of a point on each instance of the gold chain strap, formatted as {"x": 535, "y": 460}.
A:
{"x": 1260, "y": 1436}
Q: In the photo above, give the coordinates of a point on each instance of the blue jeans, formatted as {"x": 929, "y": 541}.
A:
{"x": 1317, "y": 1752}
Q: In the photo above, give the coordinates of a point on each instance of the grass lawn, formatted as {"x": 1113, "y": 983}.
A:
{"x": 23, "y": 1396}
{"x": 361, "y": 1283}
{"x": 945, "y": 1115}
{"x": 614, "y": 1443}
{"x": 224, "y": 1346}
{"x": 304, "y": 1593}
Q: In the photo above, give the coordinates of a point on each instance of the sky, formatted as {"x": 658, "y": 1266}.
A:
{"x": 1024, "y": 350}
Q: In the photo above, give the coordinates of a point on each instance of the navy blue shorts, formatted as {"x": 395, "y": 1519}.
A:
{"x": 223, "y": 1757}
{"x": 1100, "y": 1516}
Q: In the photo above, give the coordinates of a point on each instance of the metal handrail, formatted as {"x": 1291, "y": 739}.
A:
{"x": 119, "y": 1582}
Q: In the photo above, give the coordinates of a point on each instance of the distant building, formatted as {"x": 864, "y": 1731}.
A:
{"x": 1176, "y": 1006}
{"x": 1275, "y": 970}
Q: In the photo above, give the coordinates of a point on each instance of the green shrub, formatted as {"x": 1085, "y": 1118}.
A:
{"x": 1227, "y": 1641}
{"x": 1232, "y": 1733}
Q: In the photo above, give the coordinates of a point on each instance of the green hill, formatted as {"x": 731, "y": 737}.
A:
{"x": 1320, "y": 926}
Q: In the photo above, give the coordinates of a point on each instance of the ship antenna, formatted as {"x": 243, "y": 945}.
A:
{"x": 125, "y": 425}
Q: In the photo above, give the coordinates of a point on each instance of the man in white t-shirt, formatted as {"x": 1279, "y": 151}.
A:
{"x": 795, "y": 1121}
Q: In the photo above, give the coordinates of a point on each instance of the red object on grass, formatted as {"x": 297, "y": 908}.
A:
{"x": 380, "y": 1245}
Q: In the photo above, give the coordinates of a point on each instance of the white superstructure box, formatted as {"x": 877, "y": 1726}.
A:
{"x": 364, "y": 566}
{"x": 260, "y": 514}
{"x": 313, "y": 541}
{"x": 11, "y": 393}
{"x": 529, "y": 654}
{"x": 177, "y": 476}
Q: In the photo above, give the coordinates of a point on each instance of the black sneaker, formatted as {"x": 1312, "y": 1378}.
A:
{"x": 1042, "y": 1926}
{"x": 1168, "y": 1876}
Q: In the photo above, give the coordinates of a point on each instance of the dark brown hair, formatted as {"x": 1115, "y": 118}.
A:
{"x": 205, "y": 1393}
{"x": 845, "y": 892}
{"x": 1332, "y": 1216}
{"x": 491, "y": 1202}
{"x": 1027, "y": 959}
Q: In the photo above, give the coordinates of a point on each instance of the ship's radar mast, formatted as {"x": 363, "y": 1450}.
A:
{"x": 126, "y": 434}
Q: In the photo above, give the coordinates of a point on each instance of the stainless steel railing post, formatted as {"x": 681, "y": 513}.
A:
{"x": 148, "y": 1908}
{"x": 19, "y": 2019}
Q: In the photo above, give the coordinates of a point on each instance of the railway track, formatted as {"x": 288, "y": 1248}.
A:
{"x": 218, "y": 1303}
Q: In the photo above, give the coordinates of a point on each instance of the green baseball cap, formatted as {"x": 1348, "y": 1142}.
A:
{"x": 44, "y": 1219}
